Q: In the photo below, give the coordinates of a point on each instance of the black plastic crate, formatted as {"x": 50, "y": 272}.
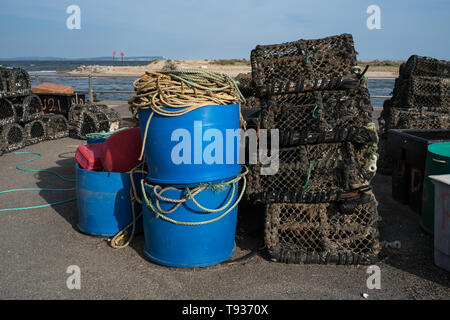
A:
{"x": 408, "y": 149}
{"x": 415, "y": 143}
{"x": 60, "y": 103}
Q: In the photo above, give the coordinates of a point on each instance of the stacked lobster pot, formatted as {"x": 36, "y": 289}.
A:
{"x": 319, "y": 204}
{"x": 421, "y": 100}
{"x": 20, "y": 111}
{"x": 92, "y": 118}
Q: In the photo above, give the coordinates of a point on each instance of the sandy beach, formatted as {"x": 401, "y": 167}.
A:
{"x": 232, "y": 68}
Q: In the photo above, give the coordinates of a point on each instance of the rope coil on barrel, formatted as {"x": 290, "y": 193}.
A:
{"x": 190, "y": 195}
{"x": 175, "y": 93}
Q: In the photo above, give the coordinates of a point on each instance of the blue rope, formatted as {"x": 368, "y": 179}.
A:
{"x": 19, "y": 167}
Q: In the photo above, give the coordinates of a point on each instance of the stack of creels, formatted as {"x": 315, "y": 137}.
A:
{"x": 92, "y": 118}
{"x": 320, "y": 117}
{"x": 56, "y": 126}
{"x": 20, "y": 111}
{"x": 324, "y": 233}
{"x": 7, "y": 112}
{"x": 12, "y": 137}
{"x": 35, "y": 132}
{"x": 313, "y": 96}
{"x": 304, "y": 65}
{"x": 314, "y": 173}
{"x": 14, "y": 82}
{"x": 420, "y": 100}
{"x": 28, "y": 108}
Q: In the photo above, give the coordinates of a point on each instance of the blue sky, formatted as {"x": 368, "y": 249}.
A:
{"x": 219, "y": 29}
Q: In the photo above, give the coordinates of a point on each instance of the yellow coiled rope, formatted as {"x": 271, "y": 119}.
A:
{"x": 175, "y": 93}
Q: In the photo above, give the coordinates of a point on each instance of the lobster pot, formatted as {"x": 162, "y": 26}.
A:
{"x": 104, "y": 202}
{"x": 426, "y": 67}
{"x": 14, "y": 82}
{"x": 12, "y": 137}
{"x": 430, "y": 92}
{"x": 7, "y": 112}
{"x": 323, "y": 233}
{"x": 114, "y": 119}
{"x": 304, "y": 65}
{"x": 56, "y": 126}
{"x": 415, "y": 118}
{"x": 76, "y": 110}
{"x": 313, "y": 117}
{"x": 312, "y": 173}
{"x": 35, "y": 132}
{"x": 92, "y": 118}
{"x": 192, "y": 237}
{"x": 192, "y": 148}
{"x": 28, "y": 108}
{"x": 245, "y": 84}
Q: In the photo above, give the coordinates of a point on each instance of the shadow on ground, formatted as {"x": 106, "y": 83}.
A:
{"x": 66, "y": 168}
{"x": 249, "y": 231}
{"x": 399, "y": 222}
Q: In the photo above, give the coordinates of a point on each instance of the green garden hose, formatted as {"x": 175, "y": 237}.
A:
{"x": 19, "y": 167}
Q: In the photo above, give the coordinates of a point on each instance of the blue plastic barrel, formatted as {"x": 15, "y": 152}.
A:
{"x": 103, "y": 200}
{"x": 176, "y": 245}
{"x": 183, "y": 149}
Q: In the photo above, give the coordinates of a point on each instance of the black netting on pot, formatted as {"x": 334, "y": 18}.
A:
{"x": 101, "y": 121}
{"x": 289, "y": 65}
{"x": 35, "y": 132}
{"x": 14, "y": 82}
{"x": 20, "y": 81}
{"x": 304, "y": 85}
{"x": 254, "y": 102}
{"x": 4, "y": 76}
{"x": 425, "y": 66}
{"x": 76, "y": 110}
{"x": 86, "y": 122}
{"x": 329, "y": 119}
{"x": 245, "y": 84}
{"x": 326, "y": 233}
{"x": 113, "y": 118}
{"x": 7, "y": 112}
{"x": 83, "y": 118}
{"x": 429, "y": 92}
{"x": 56, "y": 126}
{"x": 28, "y": 108}
{"x": 415, "y": 118}
{"x": 312, "y": 173}
{"x": 12, "y": 136}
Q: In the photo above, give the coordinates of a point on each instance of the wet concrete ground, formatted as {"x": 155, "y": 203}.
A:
{"x": 37, "y": 246}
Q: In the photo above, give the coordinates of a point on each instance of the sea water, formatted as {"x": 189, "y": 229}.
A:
{"x": 50, "y": 69}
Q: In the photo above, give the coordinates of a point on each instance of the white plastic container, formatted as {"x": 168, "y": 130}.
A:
{"x": 441, "y": 220}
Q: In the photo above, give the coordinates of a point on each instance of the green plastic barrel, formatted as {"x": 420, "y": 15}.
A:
{"x": 437, "y": 163}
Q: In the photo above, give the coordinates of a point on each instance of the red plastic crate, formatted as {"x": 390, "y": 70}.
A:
{"x": 88, "y": 156}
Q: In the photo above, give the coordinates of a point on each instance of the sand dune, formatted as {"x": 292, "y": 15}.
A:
{"x": 232, "y": 69}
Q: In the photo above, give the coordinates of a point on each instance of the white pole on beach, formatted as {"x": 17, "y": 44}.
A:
{"x": 91, "y": 92}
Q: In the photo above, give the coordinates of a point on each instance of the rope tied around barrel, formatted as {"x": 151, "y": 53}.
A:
{"x": 178, "y": 92}
{"x": 190, "y": 195}
{"x": 123, "y": 238}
